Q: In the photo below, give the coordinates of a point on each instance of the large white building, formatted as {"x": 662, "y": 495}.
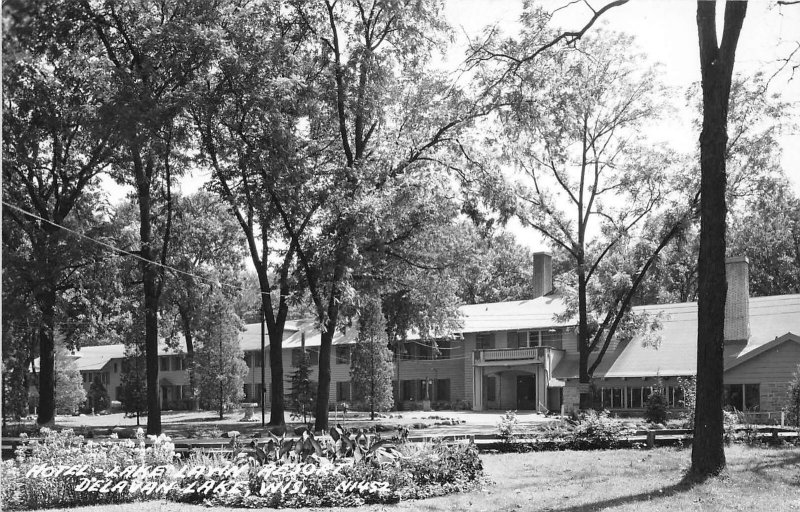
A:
{"x": 516, "y": 355}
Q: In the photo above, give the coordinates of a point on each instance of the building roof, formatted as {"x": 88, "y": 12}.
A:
{"x": 770, "y": 319}
{"x": 537, "y": 313}
{"x": 94, "y": 358}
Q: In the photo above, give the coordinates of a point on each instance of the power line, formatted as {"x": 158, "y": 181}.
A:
{"x": 121, "y": 251}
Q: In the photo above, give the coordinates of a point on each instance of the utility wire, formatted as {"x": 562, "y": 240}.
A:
{"x": 121, "y": 251}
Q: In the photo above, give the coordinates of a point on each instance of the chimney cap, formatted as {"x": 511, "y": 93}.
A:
{"x": 737, "y": 259}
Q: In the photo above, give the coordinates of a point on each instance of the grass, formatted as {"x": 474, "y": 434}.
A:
{"x": 621, "y": 480}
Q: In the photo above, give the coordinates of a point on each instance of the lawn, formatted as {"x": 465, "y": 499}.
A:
{"x": 620, "y": 480}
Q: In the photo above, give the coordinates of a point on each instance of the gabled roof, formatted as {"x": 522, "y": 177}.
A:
{"x": 746, "y": 356}
{"x": 94, "y": 358}
{"x": 770, "y": 318}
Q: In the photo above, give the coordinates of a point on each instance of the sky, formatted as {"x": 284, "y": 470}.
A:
{"x": 666, "y": 31}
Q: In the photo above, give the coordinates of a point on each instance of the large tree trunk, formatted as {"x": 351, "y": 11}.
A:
{"x": 716, "y": 63}
{"x": 324, "y": 385}
{"x": 277, "y": 401}
{"x": 47, "y": 369}
{"x": 149, "y": 276}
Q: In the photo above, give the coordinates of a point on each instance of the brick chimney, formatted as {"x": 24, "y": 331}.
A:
{"x": 542, "y": 274}
{"x": 737, "y": 301}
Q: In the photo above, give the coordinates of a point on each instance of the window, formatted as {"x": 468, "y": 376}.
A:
{"x": 533, "y": 339}
{"x": 248, "y": 392}
{"x": 409, "y": 390}
{"x": 186, "y": 391}
{"x": 106, "y": 378}
{"x": 512, "y": 339}
{"x": 675, "y": 396}
{"x": 342, "y": 391}
{"x": 178, "y": 363}
{"x": 164, "y": 362}
{"x": 484, "y": 341}
{"x": 257, "y": 359}
{"x": 297, "y": 353}
{"x": 115, "y": 367}
{"x": 634, "y": 398}
{"x": 742, "y": 397}
{"x": 342, "y": 354}
{"x": 611, "y": 398}
{"x": 442, "y": 390}
{"x": 491, "y": 389}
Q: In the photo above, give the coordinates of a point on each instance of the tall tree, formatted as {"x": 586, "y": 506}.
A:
{"x": 571, "y": 120}
{"x": 383, "y": 118}
{"x": 154, "y": 50}
{"x": 371, "y": 366}
{"x": 219, "y": 353}
{"x": 207, "y": 250}
{"x": 53, "y": 150}
{"x": 249, "y": 113}
{"x": 716, "y": 67}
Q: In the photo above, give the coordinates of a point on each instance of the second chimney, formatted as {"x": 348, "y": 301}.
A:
{"x": 737, "y": 301}
{"x": 542, "y": 274}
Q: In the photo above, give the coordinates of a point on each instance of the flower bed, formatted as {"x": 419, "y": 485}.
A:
{"x": 61, "y": 470}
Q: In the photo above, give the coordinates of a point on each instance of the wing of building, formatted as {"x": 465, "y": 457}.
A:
{"x": 523, "y": 355}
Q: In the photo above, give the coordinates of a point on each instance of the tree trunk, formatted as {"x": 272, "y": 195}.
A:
{"x": 187, "y": 334}
{"x": 47, "y": 368}
{"x": 716, "y": 63}
{"x": 149, "y": 276}
{"x": 584, "y": 378}
{"x": 277, "y": 402}
{"x": 324, "y": 385}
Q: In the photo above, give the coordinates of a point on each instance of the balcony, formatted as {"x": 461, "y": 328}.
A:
{"x": 510, "y": 356}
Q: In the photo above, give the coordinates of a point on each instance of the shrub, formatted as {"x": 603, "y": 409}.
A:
{"x": 689, "y": 388}
{"x": 507, "y": 426}
{"x": 657, "y": 404}
{"x": 67, "y": 449}
{"x": 792, "y": 407}
{"x": 596, "y": 430}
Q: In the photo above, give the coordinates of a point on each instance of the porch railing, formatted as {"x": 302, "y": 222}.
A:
{"x": 510, "y": 354}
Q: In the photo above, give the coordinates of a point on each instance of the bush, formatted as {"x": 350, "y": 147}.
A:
{"x": 792, "y": 407}
{"x": 689, "y": 388}
{"x": 657, "y": 404}
{"x": 596, "y": 430}
{"x": 507, "y": 426}
{"x": 424, "y": 470}
{"x": 67, "y": 449}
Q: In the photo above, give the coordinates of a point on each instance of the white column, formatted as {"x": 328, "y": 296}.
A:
{"x": 477, "y": 388}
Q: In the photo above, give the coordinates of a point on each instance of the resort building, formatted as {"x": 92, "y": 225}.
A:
{"x": 518, "y": 355}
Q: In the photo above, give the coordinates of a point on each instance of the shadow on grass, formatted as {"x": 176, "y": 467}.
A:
{"x": 686, "y": 483}
{"x": 766, "y": 469}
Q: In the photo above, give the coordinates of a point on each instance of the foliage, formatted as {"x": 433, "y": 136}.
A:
{"x": 133, "y": 382}
{"x": 222, "y": 381}
{"x": 596, "y": 430}
{"x": 70, "y": 394}
{"x": 688, "y": 386}
{"x": 97, "y": 398}
{"x": 371, "y": 367}
{"x": 602, "y": 202}
{"x": 67, "y": 449}
{"x": 657, "y": 404}
{"x": 302, "y": 394}
{"x": 507, "y": 426}
{"x": 792, "y": 406}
